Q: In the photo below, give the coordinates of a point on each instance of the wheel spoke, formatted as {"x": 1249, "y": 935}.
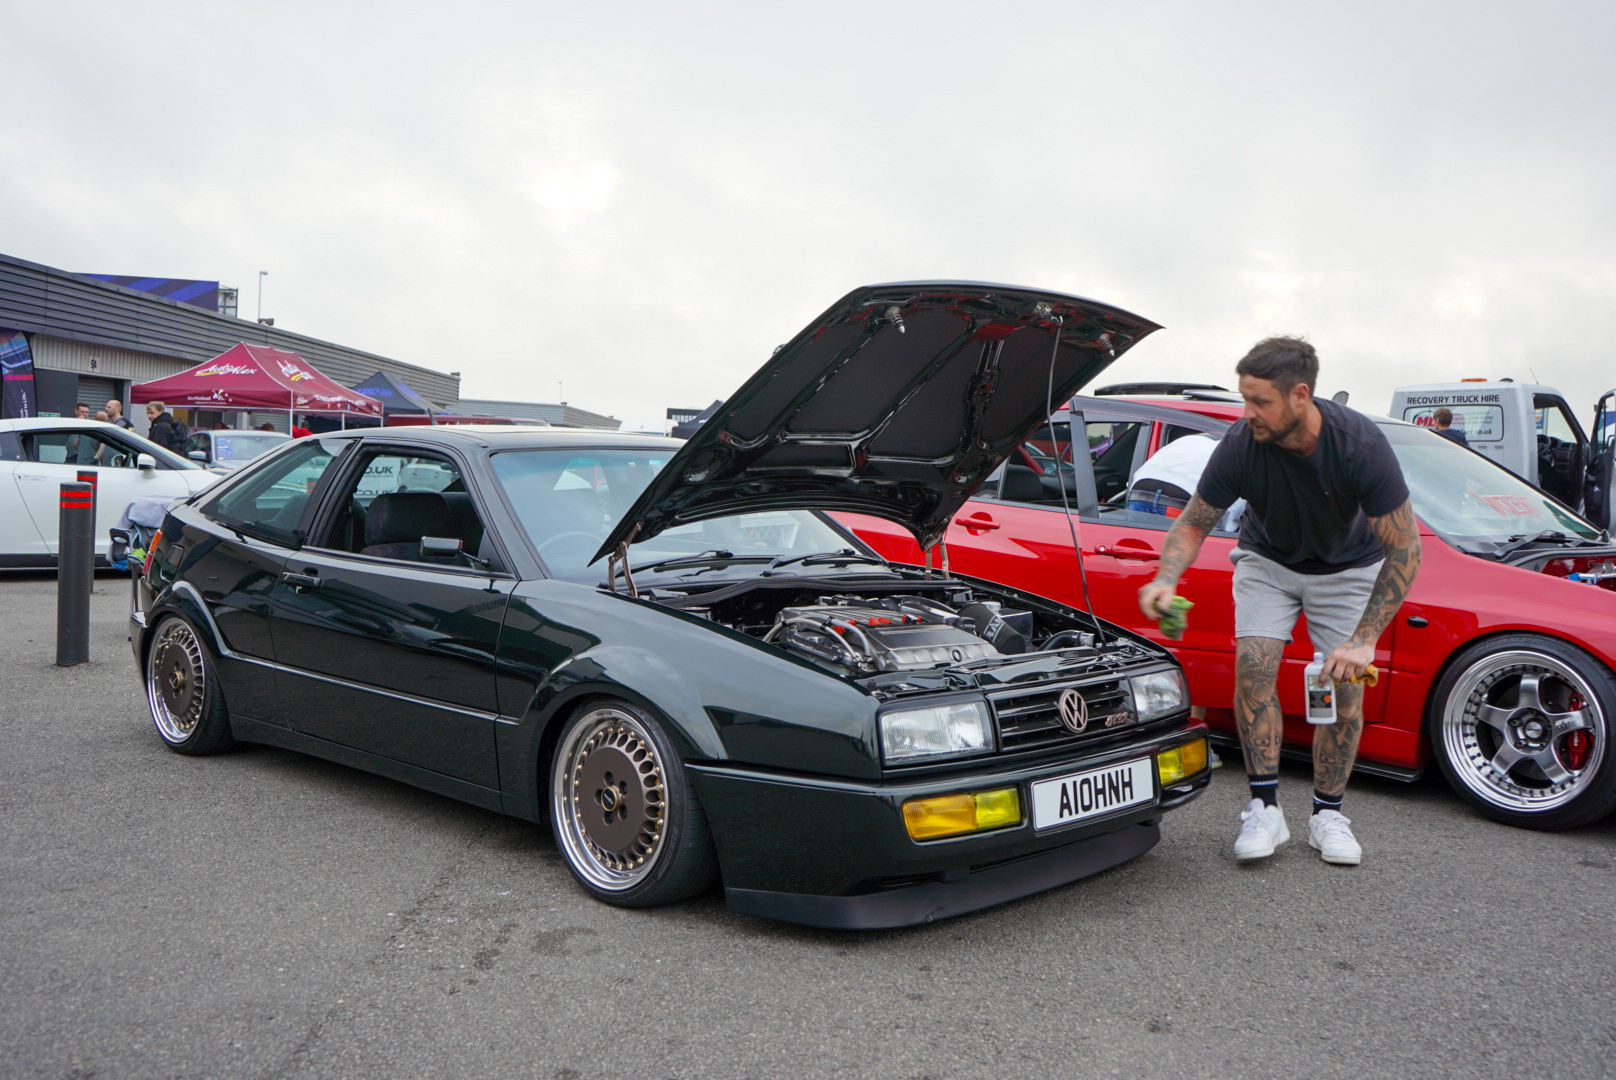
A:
{"x": 1506, "y": 759}
{"x": 1550, "y": 764}
{"x": 1530, "y": 695}
{"x": 1494, "y": 717}
{"x": 1566, "y": 722}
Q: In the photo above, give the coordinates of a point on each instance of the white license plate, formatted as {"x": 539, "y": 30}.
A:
{"x": 1090, "y": 794}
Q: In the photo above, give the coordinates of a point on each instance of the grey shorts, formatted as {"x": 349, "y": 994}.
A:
{"x": 1267, "y": 598}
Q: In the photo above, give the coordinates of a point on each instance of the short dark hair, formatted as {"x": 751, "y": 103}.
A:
{"x": 1443, "y": 416}
{"x": 80, "y": 405}
{"x": 1283, "y": 361}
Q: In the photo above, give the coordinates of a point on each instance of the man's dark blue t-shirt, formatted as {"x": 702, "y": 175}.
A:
{"x": 1309, "y": 513}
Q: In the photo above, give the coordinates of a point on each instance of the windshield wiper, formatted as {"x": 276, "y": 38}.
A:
{"x": 709, "y": 556}
{"x": 843, "y": 555}
{"x": 1547, "y": 536}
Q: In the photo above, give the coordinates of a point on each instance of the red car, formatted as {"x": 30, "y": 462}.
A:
{"x": 1499, "y": 664}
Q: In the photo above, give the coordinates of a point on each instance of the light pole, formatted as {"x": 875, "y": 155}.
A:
{"x": 262, "y": 274}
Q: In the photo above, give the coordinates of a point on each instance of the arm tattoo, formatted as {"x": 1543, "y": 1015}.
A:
{"x": 1185, "y": 538}
{"x": 1400, "y": 536}
{"x": 1256, "y": 702}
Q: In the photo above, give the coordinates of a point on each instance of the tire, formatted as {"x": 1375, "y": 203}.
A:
{"x": 625, "y": 817}
{"x": 183, "y": 691}
{"x": 1522, "y": 727}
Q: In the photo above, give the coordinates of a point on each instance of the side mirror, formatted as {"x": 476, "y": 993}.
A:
{"x": 440, "y": 547}
{"x": 198, "y": 455}
{"x": 145, "y": 463}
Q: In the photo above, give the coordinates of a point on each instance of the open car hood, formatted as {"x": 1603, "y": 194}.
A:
{"x": 896, "y": 402}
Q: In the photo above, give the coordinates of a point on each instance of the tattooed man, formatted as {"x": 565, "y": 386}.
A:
{"x": 1329, "y": 532}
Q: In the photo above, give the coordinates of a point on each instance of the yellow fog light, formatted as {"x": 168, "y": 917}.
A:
{"x": 998, "y": 808}
{"x": 947, "y": 815}
{"x": 1181, "y": 761}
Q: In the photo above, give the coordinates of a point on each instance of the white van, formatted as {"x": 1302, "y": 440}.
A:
{"x": 1529, "y": 430}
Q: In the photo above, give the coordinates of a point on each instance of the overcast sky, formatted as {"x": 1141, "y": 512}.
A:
{"x": 641, "y": 200}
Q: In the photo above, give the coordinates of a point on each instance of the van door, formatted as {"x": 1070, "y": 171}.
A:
{"x": 1562, "y": 450}
{"x": 1597, "y": 502}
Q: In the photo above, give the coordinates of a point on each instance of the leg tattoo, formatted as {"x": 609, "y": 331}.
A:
{"x": 1335, "y": 746}
{"x": 1256, "y": 702}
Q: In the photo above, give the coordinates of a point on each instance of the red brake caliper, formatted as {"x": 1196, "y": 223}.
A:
{"x": 1574, "y": 751}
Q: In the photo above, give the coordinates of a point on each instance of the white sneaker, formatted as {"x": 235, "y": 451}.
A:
{"x": 1262, "y": 831}
{"x": 1328, "y": 831}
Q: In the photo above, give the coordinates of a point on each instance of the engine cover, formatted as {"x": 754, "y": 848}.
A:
{"x": 880, "y": 638}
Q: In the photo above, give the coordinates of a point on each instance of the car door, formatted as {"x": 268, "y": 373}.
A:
{"x": 55, "y": 457}
{"x": 254, "y": 525}
{"x": 1562, "y": 450}
{"x": 383, "y": 649}
{"x": 21, "y": 543}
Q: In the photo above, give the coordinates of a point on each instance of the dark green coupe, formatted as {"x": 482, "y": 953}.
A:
{"x": 666, "y": 651}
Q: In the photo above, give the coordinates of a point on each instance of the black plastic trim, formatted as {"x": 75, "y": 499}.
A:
{"x": 934, "y": 900}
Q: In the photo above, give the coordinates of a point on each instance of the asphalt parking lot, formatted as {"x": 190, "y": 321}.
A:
{"x": 264, "y": 915}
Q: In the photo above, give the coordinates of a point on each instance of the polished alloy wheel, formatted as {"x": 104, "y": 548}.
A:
{"x": 610, "y": 799}
{"x": 176, "y": 681}
{"x": 1524, "y": 731}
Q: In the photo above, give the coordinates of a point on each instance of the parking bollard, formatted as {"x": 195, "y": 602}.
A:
{"x": 75, "y": 571}
{"x": 91, "y": 477}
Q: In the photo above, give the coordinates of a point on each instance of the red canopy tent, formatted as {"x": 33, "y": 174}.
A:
{"x": 257, "y": 377}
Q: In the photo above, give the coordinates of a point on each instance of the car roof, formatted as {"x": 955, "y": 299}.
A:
{"x": 508, "y": 437}
{"x": 29, "y": 423}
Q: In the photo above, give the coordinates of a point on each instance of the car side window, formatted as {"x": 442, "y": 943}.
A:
{"x": 394, "y": 499}
{"x": 1112, "y": 447}
{"x": 270, "y": 502}
{"x": 11, "y": 447}
{"x": 88, "y": 448}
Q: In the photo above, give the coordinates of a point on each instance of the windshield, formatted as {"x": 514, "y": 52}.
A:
{"x": 568, "y": 501}
{"x": 1467, "y": 498}
{"x": 239, "y": 446}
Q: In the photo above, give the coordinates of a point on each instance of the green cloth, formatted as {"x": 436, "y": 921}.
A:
{"x": 1176, "y": 618}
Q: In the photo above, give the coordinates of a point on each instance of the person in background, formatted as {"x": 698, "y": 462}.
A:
{"x": 221, "y": 426}
{"x": 163, "y": 428}
{"x": 115, "y": 415}
{"x": 102, "y": 416}
{"x": 266, "y": 427}
{"x": 81, "y": 411}
{"x": 1443, "y": 417}
{"x": 298, "y": 431}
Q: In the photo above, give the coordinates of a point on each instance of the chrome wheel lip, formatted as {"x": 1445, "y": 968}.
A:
{"x": 175, "y": 634}
{"x": 1472, "y": 765}
{"x": 565, "y": 807}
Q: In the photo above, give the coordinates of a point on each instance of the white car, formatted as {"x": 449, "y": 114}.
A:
{"x": 230, "y": 450}
{"x": 38, "y": 455}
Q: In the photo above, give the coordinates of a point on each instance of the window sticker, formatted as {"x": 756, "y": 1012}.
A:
{"x": 1511, "y": 505}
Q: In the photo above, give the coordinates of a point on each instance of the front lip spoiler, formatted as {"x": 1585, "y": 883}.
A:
{"x": 933, "y": 900}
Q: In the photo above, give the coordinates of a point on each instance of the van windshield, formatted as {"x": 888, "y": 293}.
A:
{"x": 1467, "y": 498}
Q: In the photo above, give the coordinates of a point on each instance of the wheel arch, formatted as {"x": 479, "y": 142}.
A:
{"x": 1449, "y": 662}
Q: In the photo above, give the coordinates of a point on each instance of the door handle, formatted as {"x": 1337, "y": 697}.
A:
{"x": 28, "y": 476}
{"x": 1127, "y": 552}
{"x": 301, "y": 582}
{"x": 980, "y": 521}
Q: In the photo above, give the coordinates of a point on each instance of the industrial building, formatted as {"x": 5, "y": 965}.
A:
{"x": 90, "y": 338}
{"x": 562, "y": 415}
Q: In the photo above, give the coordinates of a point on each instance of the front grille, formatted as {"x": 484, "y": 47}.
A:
{"x": 1030, "y": 719}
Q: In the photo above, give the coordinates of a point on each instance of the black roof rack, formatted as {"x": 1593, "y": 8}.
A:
{"x": 1155, "y": 388}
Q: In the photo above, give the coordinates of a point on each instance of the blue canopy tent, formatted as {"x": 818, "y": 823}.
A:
{"x": 395, "y": 397}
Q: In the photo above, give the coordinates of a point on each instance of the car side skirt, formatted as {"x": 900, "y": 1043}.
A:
{"x": 256, "y": 731}
{"x": 934, "y": 900}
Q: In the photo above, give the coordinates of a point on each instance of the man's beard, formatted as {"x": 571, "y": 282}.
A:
{"x": 1280, "y": 434}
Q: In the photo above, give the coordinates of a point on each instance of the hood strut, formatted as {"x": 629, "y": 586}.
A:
{"x": 619, "y": 557}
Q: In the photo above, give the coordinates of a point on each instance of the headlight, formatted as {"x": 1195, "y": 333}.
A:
{"x": 1158, "y": 694}
{"x": 958, "y": 728}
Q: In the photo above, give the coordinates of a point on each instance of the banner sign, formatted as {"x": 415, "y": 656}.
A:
{"x": 16, "y": 376}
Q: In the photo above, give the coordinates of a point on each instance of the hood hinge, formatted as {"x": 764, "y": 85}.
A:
{"x": 620, "y": 557}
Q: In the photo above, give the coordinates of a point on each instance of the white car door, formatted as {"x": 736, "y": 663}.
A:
{"x": 18, "y": 534}
{"x": 56, "y": 457}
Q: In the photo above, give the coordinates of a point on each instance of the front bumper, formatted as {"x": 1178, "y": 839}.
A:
{"x": 837, "y": 853}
